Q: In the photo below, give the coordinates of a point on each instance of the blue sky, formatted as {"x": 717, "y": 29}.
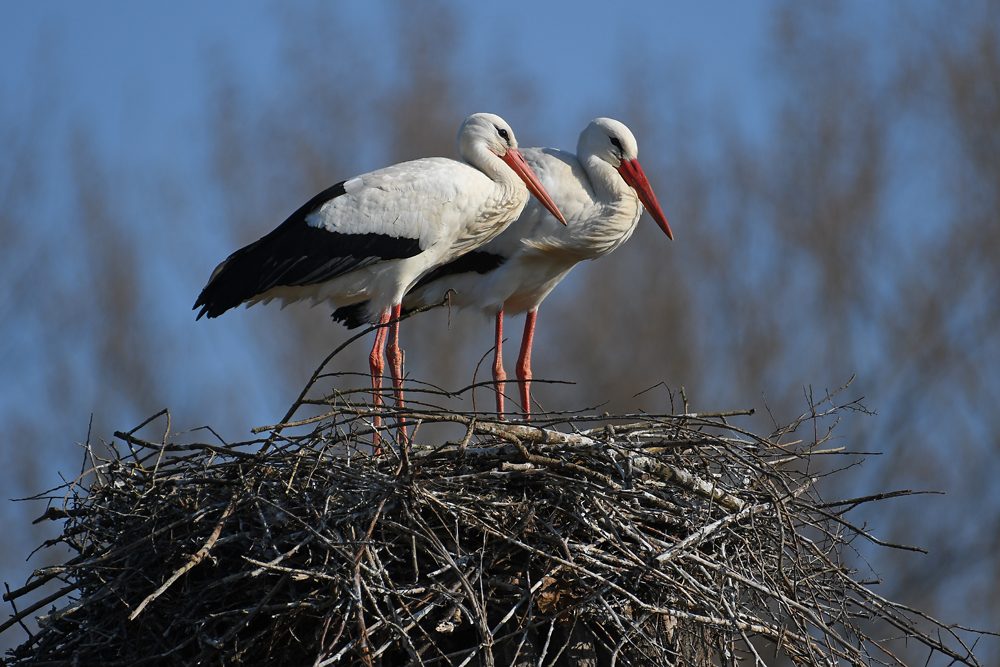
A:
{"x": 137, "y": 72}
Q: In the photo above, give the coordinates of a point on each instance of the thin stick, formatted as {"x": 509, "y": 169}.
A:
{"x": 199, "y": 556}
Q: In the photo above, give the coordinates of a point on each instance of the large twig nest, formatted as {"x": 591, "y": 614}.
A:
{"x": 665, "y": 540}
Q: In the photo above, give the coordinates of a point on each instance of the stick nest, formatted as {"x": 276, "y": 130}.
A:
{"x": 640, "y": 540}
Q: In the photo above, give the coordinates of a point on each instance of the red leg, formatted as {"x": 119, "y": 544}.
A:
{"x": 499, "y": 376}
{"x": 377, "y": 366}
{"x": 524, "y": 362}
{"x": 395, "y": 357}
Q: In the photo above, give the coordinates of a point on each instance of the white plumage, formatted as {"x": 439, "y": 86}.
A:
{"x": 601, "y": 190}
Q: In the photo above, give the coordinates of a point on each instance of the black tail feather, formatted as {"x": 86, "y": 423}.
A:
{"x": 353, "y": 316}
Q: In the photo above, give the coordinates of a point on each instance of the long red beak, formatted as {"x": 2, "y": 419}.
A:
{"x": 516, "y": 161}
{"x": 635, "y": 177}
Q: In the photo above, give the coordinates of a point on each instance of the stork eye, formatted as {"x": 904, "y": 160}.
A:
{"x": 617, "y": 144}
{"x": 503, "y": 134}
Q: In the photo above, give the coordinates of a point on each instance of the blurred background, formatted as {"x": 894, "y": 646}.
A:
{"x": 831, "y": 173}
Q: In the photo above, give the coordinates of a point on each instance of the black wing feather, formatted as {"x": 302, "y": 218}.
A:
{"x": 297, "y": 254}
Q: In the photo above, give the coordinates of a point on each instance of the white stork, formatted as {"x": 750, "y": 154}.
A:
{"x": 371, "y": 238}
{"x": 601, "y": 190}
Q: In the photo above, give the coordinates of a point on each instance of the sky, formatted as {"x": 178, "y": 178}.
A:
{"x": 137, "y": 71}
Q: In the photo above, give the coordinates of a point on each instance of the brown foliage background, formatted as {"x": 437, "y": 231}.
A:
{"x": 857, "y": 233}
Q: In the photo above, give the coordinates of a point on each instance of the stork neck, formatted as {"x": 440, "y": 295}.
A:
{"x": 607, "y": 183}
{"x": 486, "y": 161}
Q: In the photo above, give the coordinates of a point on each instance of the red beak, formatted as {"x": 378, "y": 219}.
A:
{"x": 634, "y": 176}
{"x": 516, "y": 161}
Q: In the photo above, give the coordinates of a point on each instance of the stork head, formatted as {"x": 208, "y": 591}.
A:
{"x": 610, "y": 141}
{"x": 483, "y": 132}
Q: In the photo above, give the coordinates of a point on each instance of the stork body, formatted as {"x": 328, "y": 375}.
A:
{"x": 601, "y": 190}
{"x": 369, "y": 239}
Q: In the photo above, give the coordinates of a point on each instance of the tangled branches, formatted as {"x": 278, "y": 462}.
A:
{"x": 643, "y": 540}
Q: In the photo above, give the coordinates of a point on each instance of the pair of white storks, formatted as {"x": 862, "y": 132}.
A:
{"x": 401, "y": 236}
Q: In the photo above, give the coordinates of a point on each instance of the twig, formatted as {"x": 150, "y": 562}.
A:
{"x": 199, "y": 556}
